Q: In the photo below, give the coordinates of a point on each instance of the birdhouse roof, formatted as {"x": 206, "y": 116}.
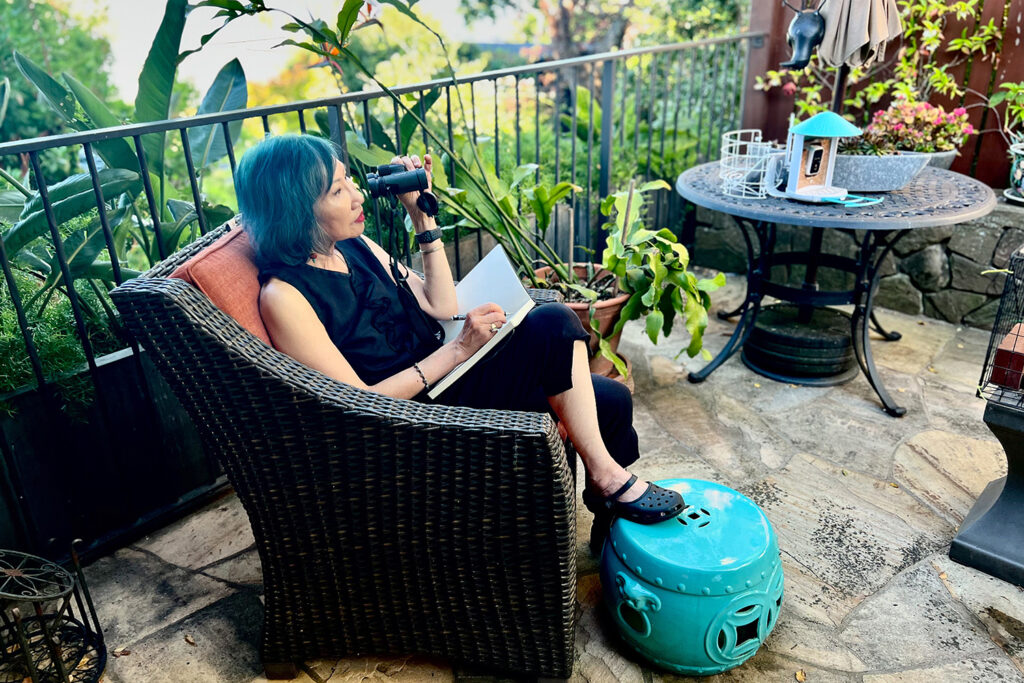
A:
{"x": 826, "y": 125}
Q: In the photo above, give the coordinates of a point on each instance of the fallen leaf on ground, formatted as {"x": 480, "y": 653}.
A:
{"x": 901, "y": 390}
{"x": 932, "y": 369}
{"x": 123, "y": 652}
{"x": 943, "y": 576}
{"x": 190, "y": 640}
{"x": 756, "y": 385}
{"x": 959, "y": 346}
{"x": 800, "y": 676}
{"x": 845, "y": 473}
{"x": 894, "y": 484}
{"x": 921, "y": 322}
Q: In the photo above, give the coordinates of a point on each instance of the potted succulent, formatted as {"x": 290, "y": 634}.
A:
{"x": 898, "y": 143}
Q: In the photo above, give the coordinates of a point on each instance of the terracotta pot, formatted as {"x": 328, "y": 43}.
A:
{"x": 607, "y": 314}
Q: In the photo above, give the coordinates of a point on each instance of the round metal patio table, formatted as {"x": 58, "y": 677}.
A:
{"x": 934, "y": 198}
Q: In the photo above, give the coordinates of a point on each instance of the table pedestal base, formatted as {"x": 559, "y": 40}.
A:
{"x": 801, "y": 345}
{"x": 768, "y": 350}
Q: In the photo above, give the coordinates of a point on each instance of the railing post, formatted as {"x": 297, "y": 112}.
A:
{"x": 607, "y": 113}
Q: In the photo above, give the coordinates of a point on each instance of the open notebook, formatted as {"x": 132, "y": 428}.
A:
{"x": 493, "y": 280}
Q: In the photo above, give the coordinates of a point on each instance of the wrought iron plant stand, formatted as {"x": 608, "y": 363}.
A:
{"x": 59, "y": 640}
{"x": 991, "y": 537}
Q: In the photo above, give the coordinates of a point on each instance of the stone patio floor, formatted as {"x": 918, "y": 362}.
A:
{"x": 864, "y": 506}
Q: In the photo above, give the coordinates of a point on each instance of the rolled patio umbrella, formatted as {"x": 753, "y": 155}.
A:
{"x": 856, "y": 33}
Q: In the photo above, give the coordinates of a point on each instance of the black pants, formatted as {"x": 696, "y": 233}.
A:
{"x": 535, "y": 362}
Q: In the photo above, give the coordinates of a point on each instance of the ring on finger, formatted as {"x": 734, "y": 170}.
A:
{"x": 494, "y": 328}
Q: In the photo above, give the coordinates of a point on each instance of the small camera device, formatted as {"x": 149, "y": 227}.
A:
{"x": 815, "y": 153}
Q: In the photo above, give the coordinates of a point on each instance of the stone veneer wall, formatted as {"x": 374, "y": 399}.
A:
{"x": 934, "y": 271}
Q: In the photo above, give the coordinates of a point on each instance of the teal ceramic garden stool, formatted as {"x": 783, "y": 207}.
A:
{"x": 699, "y": 593}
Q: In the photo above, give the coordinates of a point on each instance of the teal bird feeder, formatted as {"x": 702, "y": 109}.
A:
{"x": 699, "y": 593}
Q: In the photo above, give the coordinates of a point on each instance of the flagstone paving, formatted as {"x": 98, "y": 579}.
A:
{"x": 864, "y": 506}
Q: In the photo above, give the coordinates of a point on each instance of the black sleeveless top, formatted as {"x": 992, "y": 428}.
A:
{"x": 379, "y": 327}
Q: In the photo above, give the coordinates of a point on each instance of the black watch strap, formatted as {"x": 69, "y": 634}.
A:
{"x": 427, "y": 203}
{"x": 428, "y": 236}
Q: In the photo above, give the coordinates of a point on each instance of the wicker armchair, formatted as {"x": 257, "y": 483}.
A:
{"x": 383, "y": 525}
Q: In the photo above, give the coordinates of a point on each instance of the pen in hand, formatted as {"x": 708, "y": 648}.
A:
{"x": 462, "y": 316}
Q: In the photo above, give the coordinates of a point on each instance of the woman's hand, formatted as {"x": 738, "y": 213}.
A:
{"x": 482, "y": 323}
{"x": 420, "y": 220}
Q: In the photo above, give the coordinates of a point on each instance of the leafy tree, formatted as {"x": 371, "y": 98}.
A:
{"x": 578, "y": 27}
{"x": 50, "y": 36}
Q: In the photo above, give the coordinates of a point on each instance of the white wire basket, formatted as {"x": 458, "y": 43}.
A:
{"x": 743, "y": 163}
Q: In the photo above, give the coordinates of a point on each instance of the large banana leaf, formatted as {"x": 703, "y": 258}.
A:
{"x": 227, "y": 93}
{"x": 5, "y": 96}
{"x": 54, "y": 93}
{"x": 407, "y": 124}
{"x": 81, "y": 248}
{"x": 184, "y": 214}
{"x": 69, "y": 198}
{"x": 153, "y": 102}
{"x": 370, "y": 157}
{"x": 116, "y": 153}
{"x": 11, "y": 204}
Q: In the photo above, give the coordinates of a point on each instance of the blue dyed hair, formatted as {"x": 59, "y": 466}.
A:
{"x": 278, "y": 182}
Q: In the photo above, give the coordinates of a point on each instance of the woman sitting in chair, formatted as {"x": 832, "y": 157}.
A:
{"x": 334, "y": 300}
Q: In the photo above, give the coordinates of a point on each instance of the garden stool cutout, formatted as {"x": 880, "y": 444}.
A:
{"x": 699, "y": 593}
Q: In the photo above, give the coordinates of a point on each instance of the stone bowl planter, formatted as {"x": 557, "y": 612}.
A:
{"x": 868, "y": 173}
{"x": 943, "y": 160}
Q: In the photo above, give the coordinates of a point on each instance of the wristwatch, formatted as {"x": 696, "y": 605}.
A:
{"x": 427, "y": 203}
{"x": 428, "y": 236}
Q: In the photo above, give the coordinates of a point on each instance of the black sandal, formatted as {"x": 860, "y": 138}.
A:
{"x": 655, "y": 505}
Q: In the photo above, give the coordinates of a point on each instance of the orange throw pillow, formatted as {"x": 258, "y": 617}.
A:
{"x": 226, "y": 272}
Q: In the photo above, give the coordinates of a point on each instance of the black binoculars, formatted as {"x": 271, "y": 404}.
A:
{"x": 395, "y": 179}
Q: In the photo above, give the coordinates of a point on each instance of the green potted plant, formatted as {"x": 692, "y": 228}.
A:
{"x": 648, "y": 270}
{"x": 1012, "y": 130}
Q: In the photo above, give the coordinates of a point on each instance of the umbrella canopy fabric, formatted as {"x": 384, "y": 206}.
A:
{"x": 856, "y": 31}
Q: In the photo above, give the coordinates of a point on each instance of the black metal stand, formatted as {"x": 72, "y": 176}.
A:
{"x": 874, "y": 248}
{"x": 991, "y": 539}
{"x": 64, "y": 644}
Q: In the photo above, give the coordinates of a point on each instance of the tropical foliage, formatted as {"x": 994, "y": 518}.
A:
{"x": 140, "y": 233}
{"x": 649, "y": 265}
{"x": 62, "y": 42}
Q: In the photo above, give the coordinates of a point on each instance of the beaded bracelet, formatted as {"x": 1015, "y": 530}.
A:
{"x": 426, "y": 385}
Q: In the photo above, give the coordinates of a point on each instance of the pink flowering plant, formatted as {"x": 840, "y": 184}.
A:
{"x": 913, "y": 127}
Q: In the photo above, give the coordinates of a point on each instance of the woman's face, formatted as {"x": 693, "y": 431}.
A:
{"x": 339, "y": 211}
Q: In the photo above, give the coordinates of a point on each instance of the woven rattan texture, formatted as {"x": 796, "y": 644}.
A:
{"x": 383, "y": 525}
{"x": 934, "y": 197}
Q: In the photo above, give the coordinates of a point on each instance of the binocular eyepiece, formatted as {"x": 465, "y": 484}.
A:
{"x": 395, "y": 179}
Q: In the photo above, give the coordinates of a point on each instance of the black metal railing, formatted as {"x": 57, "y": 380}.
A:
{"x": 662, "y": 109}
